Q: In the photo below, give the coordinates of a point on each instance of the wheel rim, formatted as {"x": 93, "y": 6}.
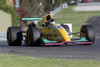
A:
{"x": 83, "y": 32}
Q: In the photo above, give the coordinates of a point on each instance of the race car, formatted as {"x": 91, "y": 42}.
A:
{"x": 47, "y": 32}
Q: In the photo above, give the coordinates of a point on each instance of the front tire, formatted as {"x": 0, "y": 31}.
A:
{"x": 14, "y": 36}
{"x": 88, "y": 32}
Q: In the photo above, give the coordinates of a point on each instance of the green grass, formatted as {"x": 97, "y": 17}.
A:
{"x": 76, "y": 18}
{"x": 20, "y": 61}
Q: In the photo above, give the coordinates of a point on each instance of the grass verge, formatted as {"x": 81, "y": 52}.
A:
{"x": 20, "y": 61}
{"x": 76, "y": 18}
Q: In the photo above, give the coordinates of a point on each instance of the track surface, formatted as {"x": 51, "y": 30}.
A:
{"x": 72, "y": 51}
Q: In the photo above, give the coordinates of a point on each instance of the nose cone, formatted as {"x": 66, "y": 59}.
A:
{"x": 64, "y": 34}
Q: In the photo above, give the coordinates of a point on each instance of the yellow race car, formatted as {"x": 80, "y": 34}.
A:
{"x": 47, "y": 32}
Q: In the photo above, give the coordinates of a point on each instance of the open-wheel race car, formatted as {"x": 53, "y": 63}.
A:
{"x": 47, "y": 32}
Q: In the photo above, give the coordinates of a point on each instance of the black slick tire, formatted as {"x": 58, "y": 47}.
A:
{"x": 14, "y": 36}
{"x": 33, "y": 35}
{"x": 88, "y": 32}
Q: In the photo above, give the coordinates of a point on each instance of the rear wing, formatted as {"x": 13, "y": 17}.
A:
{"x": 27, "y": 19}
{"x": 31, "y": 19}
{"x": 42, "y": 20}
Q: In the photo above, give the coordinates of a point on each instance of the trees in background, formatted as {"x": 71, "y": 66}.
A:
{"x": 67, "y": 1}
{"x": 15, "y": 17}
{"x": 48, "y": 5}
{"x": 35, "y": 9}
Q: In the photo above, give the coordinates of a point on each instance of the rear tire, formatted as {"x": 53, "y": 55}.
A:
{"x": 14, "y": 36}
{"x": 88, "y": 32}
{"x": 33, "y": 35}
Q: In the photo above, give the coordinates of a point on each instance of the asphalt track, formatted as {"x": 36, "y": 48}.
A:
{"x": 71, "y": 51}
